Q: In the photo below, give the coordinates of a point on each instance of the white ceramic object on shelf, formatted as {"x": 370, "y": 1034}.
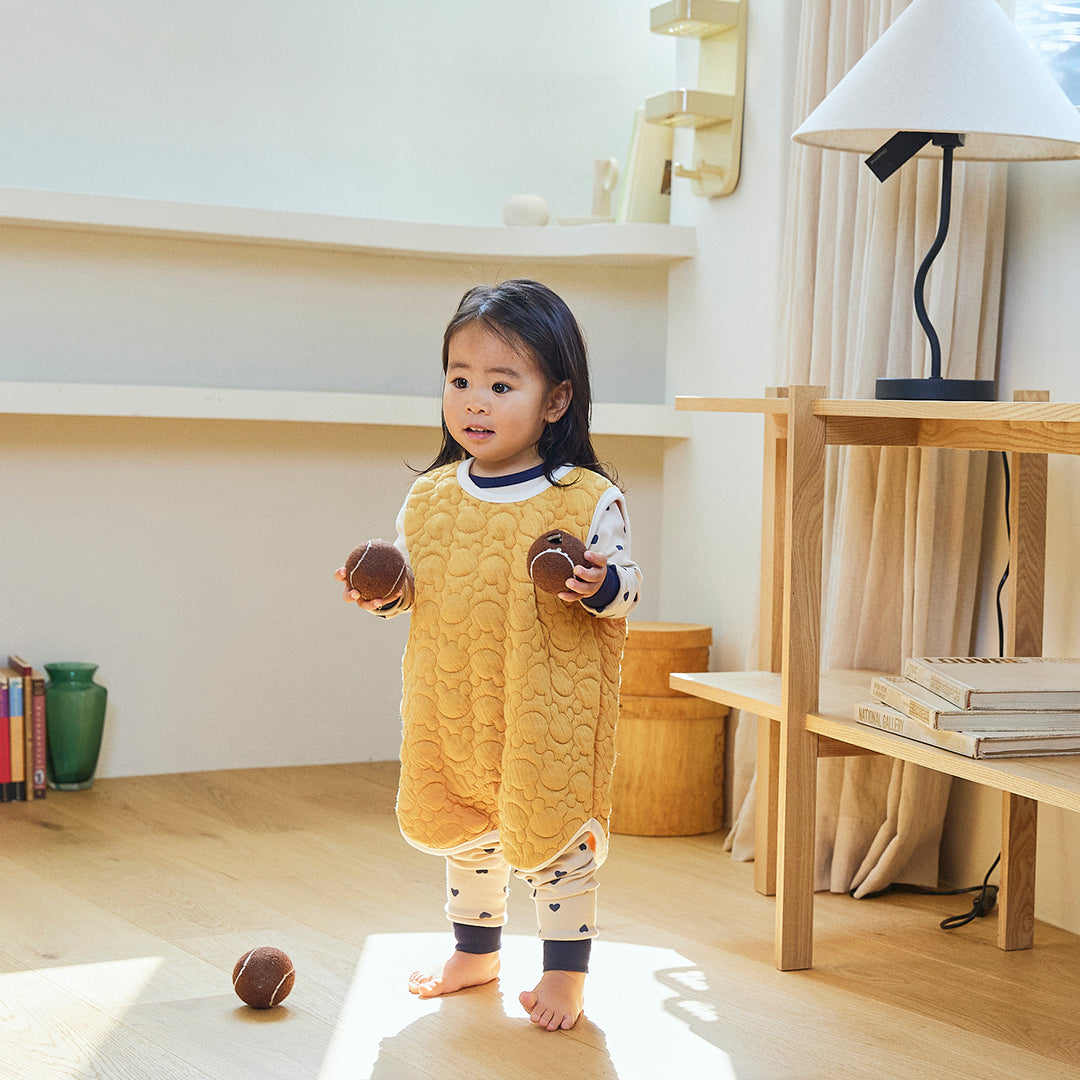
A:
{"x": 525, "y": 210}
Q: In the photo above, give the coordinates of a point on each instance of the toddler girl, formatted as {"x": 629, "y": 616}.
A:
{"x": 511, "y": 694}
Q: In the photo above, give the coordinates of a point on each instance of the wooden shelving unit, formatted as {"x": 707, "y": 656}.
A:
{"x": 806, "y": 713}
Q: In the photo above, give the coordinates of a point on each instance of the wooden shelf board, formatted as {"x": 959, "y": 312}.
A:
{"x": 989, "y": 411}
{"x": 635, "y": 243}
{"x": 736, "y": 405}
{"x": 1051, "y": 780}
{"x": 757, "y": 692}
{"x": 304, "y": 406}
{"x": 1020, "y": 426}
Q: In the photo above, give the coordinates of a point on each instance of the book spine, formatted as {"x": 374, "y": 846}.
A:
{"x": 28, "y": 735}
{"x": 892, "y": 695}
{"x": 886, "y": 719}
{"x": 16, "y": 741}
{"x": 5, "y": 746}
{"x": 936, "y": 683}
{"x": 36, "y": 768}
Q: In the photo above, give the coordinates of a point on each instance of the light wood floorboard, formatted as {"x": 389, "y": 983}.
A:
{"x": 124, "y": 908}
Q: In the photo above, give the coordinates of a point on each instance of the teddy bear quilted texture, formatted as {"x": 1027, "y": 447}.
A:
{"x": 511, "y": 695}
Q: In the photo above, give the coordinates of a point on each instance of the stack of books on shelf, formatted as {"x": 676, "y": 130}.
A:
{"x": 981, "y": 706}
{"x": 22, "y": 732}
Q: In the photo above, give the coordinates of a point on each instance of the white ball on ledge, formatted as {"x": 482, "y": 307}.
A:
{"x": 525, "y": 210}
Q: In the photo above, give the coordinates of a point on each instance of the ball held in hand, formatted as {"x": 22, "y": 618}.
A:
{"x": 552, "y": 558}
{"x": 263, "y": 977}
{"x": 376, "y": 570}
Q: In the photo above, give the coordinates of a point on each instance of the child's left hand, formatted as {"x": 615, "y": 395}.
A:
{"x": 587, "y": 580}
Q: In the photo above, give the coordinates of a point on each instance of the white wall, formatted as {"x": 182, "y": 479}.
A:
{"x": 182, "y": 312}
{"x": 432, "y": 111}
{"x": 88, "y": 307}
{"x": 722, "y": 340}
{"x": 193, "y": 560}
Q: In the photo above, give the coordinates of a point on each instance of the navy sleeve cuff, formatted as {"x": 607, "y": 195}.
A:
{"x": 608, "y": 591}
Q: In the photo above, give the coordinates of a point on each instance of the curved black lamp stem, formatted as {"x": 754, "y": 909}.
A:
{"x": 924, "y": 269}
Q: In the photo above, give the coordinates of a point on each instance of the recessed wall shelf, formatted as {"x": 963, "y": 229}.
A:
{"x": 631, "y": 244}
{"x": 303, "y": 406}
{"x": 621, "y": 245}
{"x": 715, "y": 109}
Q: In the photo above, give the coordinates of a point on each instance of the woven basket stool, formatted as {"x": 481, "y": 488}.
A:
{"x": 669, "y": 766}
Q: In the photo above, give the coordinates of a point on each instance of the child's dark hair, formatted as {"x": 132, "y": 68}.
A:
{"x": 529, "y": 316}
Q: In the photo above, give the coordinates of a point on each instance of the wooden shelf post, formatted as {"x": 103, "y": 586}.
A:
{"x": 1024, "y": 637}
{"x": 770, "y": 646}
{"x": 801, "y": 666}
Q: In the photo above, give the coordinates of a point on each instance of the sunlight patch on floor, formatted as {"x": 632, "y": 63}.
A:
{"x": 378, "y": 1005}
{"x": 54, "y": 1029}
{"x": 111, "y": 985}
{"x": 655, "y": 1008}
{"x": 649, "y": 1010}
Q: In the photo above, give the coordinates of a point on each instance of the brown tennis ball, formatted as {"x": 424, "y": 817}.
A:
{"x": 375, "y": 570}
{"x": 263, "y": 977}
{"x": 552, "y": 558}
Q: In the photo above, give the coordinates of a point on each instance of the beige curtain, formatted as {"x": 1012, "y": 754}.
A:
{"x": 903, "y": 527}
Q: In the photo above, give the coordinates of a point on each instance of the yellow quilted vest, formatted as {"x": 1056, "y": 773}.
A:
{"x": 511, "y": 695}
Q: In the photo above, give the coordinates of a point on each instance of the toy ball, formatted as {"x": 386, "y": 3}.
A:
{"x": 552, "y": 558}
{"x": 375, "y": 570}
{"x": 263, "y": 977}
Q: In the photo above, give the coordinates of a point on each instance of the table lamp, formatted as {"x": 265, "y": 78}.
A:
{"x": 949, "y": 78}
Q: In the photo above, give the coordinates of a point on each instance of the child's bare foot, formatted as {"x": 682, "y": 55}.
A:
{"x": 557, "y": 999}
{"x": 461, "y": 970}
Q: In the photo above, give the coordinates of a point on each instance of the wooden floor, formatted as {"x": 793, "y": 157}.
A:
{"x": 123, "y": 909}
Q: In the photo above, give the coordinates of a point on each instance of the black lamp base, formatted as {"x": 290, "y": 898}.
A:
{"x": 936, "y": 389}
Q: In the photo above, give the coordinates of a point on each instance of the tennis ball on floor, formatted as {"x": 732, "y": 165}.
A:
{"x": 263, "y": 977}
{"x": 375, "y": 570}
{"x": 552, "y": 558}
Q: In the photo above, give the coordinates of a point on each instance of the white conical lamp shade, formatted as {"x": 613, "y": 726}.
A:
{"x": 950, "y": 66}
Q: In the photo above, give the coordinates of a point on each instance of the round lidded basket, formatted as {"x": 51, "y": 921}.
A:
{"x": 669, "y": 766}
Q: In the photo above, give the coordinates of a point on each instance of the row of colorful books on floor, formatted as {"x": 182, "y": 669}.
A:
{"x": 22, "y": 732}
{"x": 981, "y": 706}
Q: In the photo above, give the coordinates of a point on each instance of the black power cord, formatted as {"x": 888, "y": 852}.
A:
{"x": 986, "y": 900}
{"x": 1004, "y": 576}
{"x": 983, "y": 905}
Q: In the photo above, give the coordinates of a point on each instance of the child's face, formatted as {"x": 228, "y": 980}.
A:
{"x": 496, "y": 401}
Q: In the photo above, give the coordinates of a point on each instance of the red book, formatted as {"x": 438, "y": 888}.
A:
{"x": 16, "y": 736}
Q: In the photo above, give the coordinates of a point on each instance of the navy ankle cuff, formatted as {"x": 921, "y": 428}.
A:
{"x": 477, "y": 939}
{"x": 567, "y": 955}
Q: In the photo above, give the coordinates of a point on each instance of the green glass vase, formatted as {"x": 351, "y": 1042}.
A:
{"x": 74, "y": 720}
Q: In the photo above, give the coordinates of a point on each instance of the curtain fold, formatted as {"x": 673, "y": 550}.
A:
{"x": 902, "y": 526}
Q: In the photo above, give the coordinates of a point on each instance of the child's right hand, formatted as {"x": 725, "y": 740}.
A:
{"x": 351, "y": 596}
